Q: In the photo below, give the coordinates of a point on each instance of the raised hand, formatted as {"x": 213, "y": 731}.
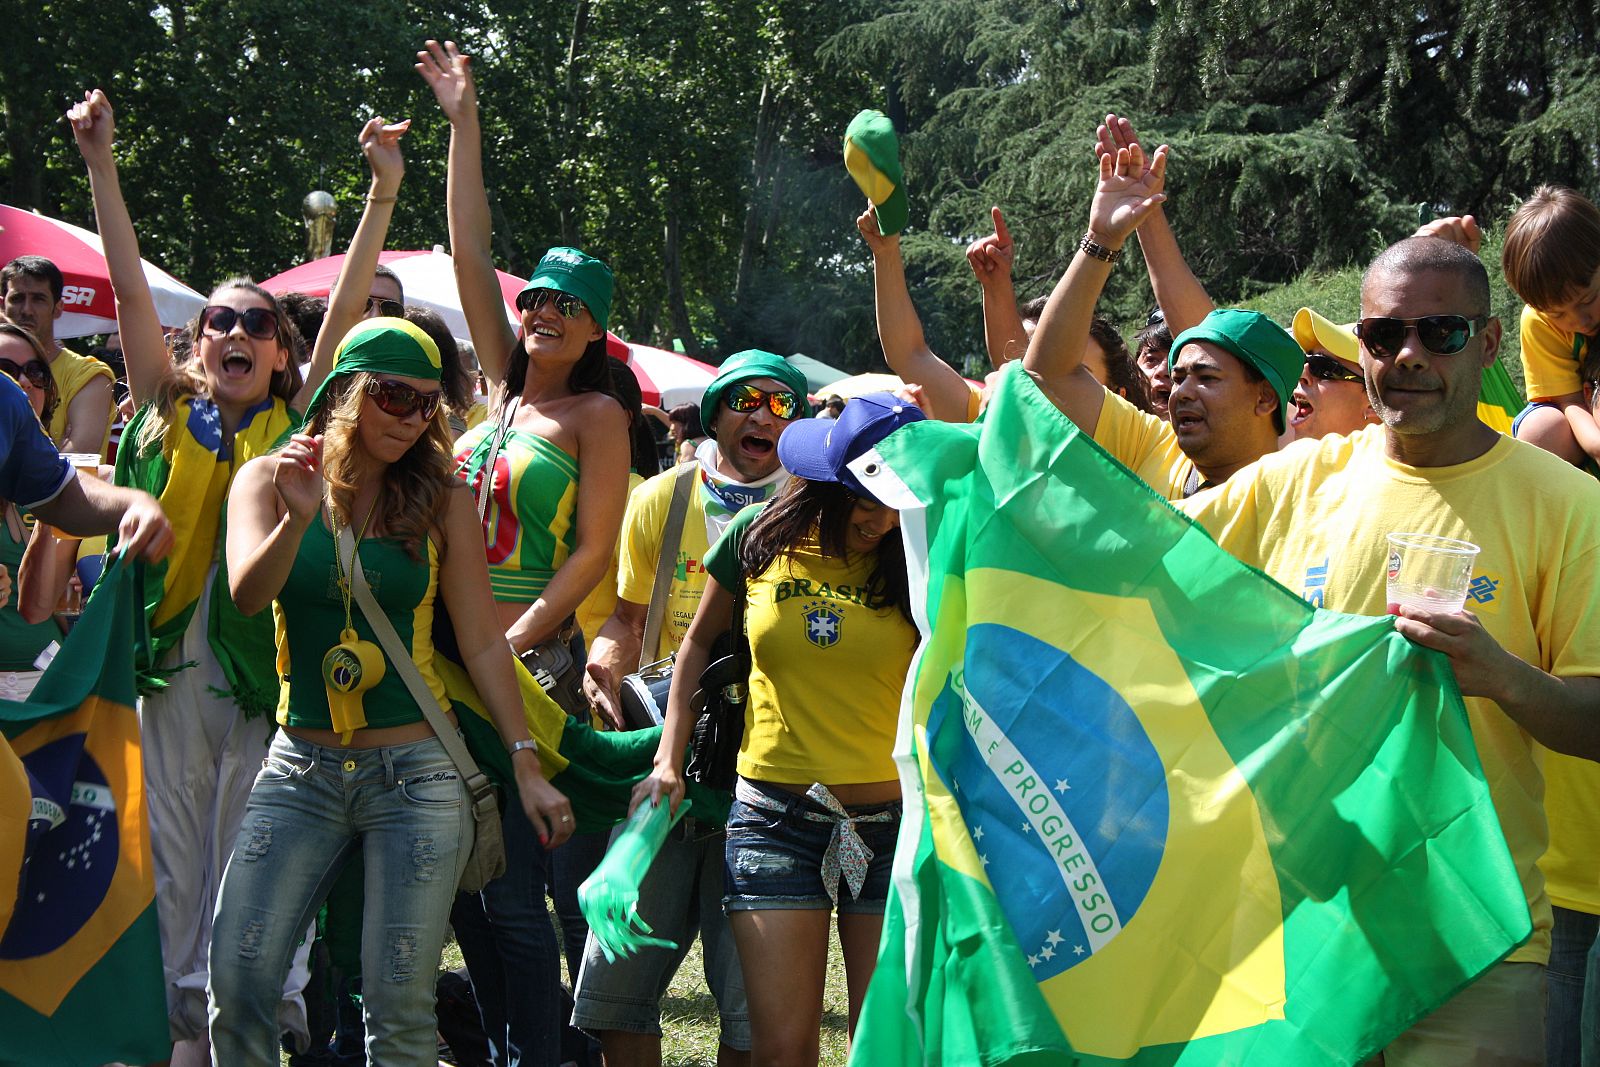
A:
{"x": 1114, "y": 133}
{"x": 381, "y": 145}
{"x": 867, "y": 223}
{"x": 1130, "y": 189}
{"x": 1461, "y": 229}
{"x": 991, "y": 257}
{"x": 449, "y": 74}
{"x": 93, "y": 126}
{"x": 297, "y": 476}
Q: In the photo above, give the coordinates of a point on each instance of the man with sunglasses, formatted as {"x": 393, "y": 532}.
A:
{"x": 744, "y": 410}
{"x": 1331, "y": 396}
{"x": 1526, "y": 651}
{"x": 387, "y": 297}
{"x": 30, "y": 290}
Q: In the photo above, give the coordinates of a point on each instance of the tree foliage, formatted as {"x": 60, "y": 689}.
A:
{"x": 695, "y": 144}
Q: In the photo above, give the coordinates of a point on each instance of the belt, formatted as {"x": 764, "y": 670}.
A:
{"x": 847, "y": 853}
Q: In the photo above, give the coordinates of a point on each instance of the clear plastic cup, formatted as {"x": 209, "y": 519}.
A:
{"x": 1428, "y": 572}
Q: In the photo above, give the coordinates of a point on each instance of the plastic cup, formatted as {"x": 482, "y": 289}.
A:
{"x": 1429, "y": 573}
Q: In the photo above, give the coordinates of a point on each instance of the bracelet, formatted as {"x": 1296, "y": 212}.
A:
{"x": 528, "y": 742}
{"x": 382, "y": 199}
{"x": 1099, "y": 251}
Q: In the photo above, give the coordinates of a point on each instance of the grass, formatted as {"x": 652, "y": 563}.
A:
{"x": 689, "y": 1013}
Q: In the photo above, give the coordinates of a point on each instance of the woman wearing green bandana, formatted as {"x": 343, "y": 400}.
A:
{"x": 371, "y": 480}
{"x": 209, "y": 686}
{"x": 549, "y": 533}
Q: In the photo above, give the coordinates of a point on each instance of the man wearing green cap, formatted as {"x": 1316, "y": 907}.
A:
{"x": 744, "y": 410}
{"x": 1233, "y": 371}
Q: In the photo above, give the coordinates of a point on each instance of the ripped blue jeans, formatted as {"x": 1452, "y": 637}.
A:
{"x": 311, "y": 807}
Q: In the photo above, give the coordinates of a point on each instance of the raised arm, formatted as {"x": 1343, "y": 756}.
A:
{"x": 900, "y": 331}
{"x": 1179, "y": 293}
{"x": 143, "y": 347}
{"x": 449, "y": 74}
{"x": 991, "y": 258}
{"x": 348, "y": 301}
{"x": 1128, "y": 192}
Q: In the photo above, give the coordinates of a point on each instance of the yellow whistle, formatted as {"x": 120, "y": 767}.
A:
{"x": 349, "y": 669}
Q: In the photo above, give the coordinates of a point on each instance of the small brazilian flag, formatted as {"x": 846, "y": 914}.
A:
{"x": 1158, "y": 810}
{"x": 81, "y": 981}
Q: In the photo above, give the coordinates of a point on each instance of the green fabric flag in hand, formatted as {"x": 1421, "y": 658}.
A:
{"x": 1158, "y": 810}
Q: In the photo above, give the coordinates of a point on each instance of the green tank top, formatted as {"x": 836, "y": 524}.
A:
{"x": 310, "y": 614}
{"x": 20, "y": 641}
{"x": 527, "y": 527}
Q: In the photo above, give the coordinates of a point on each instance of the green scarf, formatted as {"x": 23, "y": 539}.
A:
{"x": 190, "y": 472}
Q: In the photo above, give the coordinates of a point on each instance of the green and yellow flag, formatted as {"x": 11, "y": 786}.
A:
{"x": 1158, "y": 810}
{"x": 80, "y": 953}
{"x": 1498, "y": 400}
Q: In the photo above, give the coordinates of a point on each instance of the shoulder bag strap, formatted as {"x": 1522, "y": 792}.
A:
{"x": 477, "y": 783}
{"x": 667, "y": 560}
{"x": 508, "y": 411}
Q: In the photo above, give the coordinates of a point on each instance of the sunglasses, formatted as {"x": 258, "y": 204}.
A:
{"x": 34, "y": 370}
{"x": 567, "y": 305}
{"x": 1329, "y": 369}
{"x": 260, "y": 323}
{"x": 746, "y": 398}
{"x": 1443, "y": 335}
{"x": 389, "y": 309}
{"x": 400, "y": 400}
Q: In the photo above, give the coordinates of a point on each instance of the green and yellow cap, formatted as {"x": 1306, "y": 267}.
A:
{"x": 570, "y": 270}
{"x": 872, "y": 156}
{"x": 382, "y": 346}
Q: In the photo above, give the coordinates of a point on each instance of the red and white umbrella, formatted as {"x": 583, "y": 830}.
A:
{"x": 90, "y": 307}
{"x": 428, "y": 278}
{"x": 668, "y": 379}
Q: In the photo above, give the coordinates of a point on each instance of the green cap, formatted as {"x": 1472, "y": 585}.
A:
{"x": 1258, "y": 341}
{"x": 578, "y": 273}
{"x": 382, "y": 346}
{"x": 872, "y": 156}
{"x": 742, "y": 367}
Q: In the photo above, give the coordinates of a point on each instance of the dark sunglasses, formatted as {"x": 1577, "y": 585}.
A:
{"x": 1329, "y": 369}
{"x": 1155, "y": 318}
{"x": 1443, "y": 335}
{"x": 400, "y": 400}
{"x": 260, "y": 323}
{"x": 34, "y": 370}
{"x": 747, "y": 398}
{"x": 567, "y": 305}
{"x": 389, "y": 309}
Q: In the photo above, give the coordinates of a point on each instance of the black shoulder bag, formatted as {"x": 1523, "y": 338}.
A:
{"x": 719, "y": 707}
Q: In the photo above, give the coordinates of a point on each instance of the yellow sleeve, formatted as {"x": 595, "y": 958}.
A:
{"x": 1144, "y": 444}
{"x": 974, "y": 402}
{"x": 640, "y": 543}
{"x": 1549, "y": 367}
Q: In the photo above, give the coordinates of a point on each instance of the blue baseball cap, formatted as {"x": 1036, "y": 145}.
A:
{"x": 819, "y": 450}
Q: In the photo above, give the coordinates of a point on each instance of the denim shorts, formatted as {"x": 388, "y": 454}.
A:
{"x": 773, "y": 859}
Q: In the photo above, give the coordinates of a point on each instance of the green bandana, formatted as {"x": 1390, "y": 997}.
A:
{"x": 382, "y": 346}
{"x": 872, "y": 156}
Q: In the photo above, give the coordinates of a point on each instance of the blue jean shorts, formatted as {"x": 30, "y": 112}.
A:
{"x": 773, "y": 859}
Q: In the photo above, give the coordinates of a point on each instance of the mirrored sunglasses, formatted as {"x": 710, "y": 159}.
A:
{"x": 747, "y": 398}
{"x": 1329, "y": 369}
{"x": 1443, "y": 335}
{"x": 389, "y": 309}
{"x": 567, "y": 305}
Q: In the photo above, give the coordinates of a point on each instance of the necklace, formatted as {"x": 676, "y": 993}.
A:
{"x": 354, "y": 665}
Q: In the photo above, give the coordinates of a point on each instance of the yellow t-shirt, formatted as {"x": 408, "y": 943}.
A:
{"x": 1549, "y": 357}
{"x": 602, "y": 599}
{"x": 640, "y": 546}
{"x": 826, "y": 669}
{"x": 72, "y": 372}
{"x": 1145, "y": 445}
{"x": 1572, "y": 804}
{"x": 1315, "y": 517}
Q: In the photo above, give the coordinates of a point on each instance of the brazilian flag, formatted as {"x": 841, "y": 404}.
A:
{"x": 1158, "y": 810}
{"x": 81, "y": 981}
{"x": 1498, "y": 400}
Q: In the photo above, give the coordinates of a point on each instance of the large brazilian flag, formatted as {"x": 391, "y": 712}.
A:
{"x": 1158, "y": 810}
{"x": 80, "y": 953}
